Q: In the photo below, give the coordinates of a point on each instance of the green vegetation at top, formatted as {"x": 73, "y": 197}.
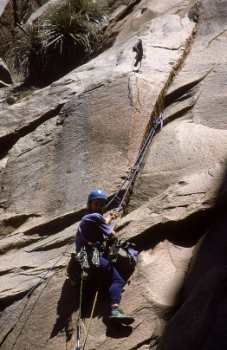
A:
{"x": 61, "y": 40}
{"x": 76, "y": 20}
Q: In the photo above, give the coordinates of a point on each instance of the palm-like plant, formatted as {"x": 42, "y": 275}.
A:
{"x": 78, "y": 20}
{"x": 68, "y": 33}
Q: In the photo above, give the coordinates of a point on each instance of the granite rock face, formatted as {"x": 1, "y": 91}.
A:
{"x": 84, "y": 131}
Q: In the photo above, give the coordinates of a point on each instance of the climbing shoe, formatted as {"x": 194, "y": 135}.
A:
{"x": 117, "y": 315}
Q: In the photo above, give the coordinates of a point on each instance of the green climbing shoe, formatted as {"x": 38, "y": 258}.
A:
{"x": 118, "y": 316}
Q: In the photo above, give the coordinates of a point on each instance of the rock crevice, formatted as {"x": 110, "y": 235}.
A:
{"x": 83, "y": 132}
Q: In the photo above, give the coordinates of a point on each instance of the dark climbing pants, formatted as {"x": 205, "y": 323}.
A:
{"x": 115, "y": 281}
{"x": 138, "y": 60}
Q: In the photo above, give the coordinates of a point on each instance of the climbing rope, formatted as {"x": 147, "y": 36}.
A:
{"x": 125, "y": 188}
{"x": 90, "y": 319}
{"x": 44, "y": 277}
{"x": 78, "y": 324}
{"x": 127, "y": 185}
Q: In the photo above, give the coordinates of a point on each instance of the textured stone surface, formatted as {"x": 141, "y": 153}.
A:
{"x": 84, "y": 130}
{"x": 196, "y": 101}
{"x": 87, "y": 125}
{"x": 200, "y": 321}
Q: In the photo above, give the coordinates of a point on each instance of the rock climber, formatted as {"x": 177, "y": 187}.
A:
{"x": 138, "y": 48}
{"x": 93, "y": 230}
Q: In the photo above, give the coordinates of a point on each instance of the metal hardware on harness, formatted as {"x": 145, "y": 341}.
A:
{"x": 85, "y": 266}
{"x": 126, "y": 188}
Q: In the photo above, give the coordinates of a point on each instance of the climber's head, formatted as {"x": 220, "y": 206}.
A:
{"x": 97, "y": 200}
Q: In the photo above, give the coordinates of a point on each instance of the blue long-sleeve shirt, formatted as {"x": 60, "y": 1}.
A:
{"x": 92, "y": 229}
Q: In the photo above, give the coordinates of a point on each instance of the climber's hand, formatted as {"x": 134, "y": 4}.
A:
{"x": 113, "y": 215}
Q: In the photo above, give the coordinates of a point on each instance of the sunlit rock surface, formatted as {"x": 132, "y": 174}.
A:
{"x": 85, "y": 130}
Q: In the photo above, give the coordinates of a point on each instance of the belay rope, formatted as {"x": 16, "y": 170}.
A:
{"x": 125, "y": 188}
{"x": 127, "y": 184}
{"x": 90, "y": 319}
{"x": 78, "y": 324}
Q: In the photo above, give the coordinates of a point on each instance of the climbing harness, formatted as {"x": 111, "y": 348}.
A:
{"x": 124, "y": 256}
{"x": 121, "y": 197}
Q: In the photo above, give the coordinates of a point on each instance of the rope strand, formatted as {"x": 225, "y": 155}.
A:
{"x": 128, "y": 182}
{"x": 126, "y": 186}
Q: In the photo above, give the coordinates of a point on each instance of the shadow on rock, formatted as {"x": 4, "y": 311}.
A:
{"x": 117, "y": 330}
{"x": 193, "y": 227}
{"x": 69, "y": 303}
{"x": 113, "y": 329}
{"x": 200, "y": 322}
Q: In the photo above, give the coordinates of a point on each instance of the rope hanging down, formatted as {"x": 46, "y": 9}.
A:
{"x": 78, "y": 325}
{"x": 126, "y": 188}
{"x": 127, "y": 184}
{"x": 43, "y": 279}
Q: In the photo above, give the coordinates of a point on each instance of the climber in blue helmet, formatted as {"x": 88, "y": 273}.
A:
{"x": 93, "y": 230}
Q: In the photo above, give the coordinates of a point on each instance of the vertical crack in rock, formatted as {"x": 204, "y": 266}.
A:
{"x": 159, "y": 106}
{"x": 58, "y": 224}
{"x": 160, "y": 103}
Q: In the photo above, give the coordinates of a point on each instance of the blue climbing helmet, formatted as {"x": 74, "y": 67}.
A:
{"x": 97, "y": 194}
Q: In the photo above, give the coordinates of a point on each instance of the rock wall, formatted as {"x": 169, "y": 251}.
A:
{"x": 85, "y": 130}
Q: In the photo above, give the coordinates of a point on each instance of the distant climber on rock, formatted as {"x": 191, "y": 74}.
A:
{"x": 93, "y": 232}
{"x": 138, "y": 48}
